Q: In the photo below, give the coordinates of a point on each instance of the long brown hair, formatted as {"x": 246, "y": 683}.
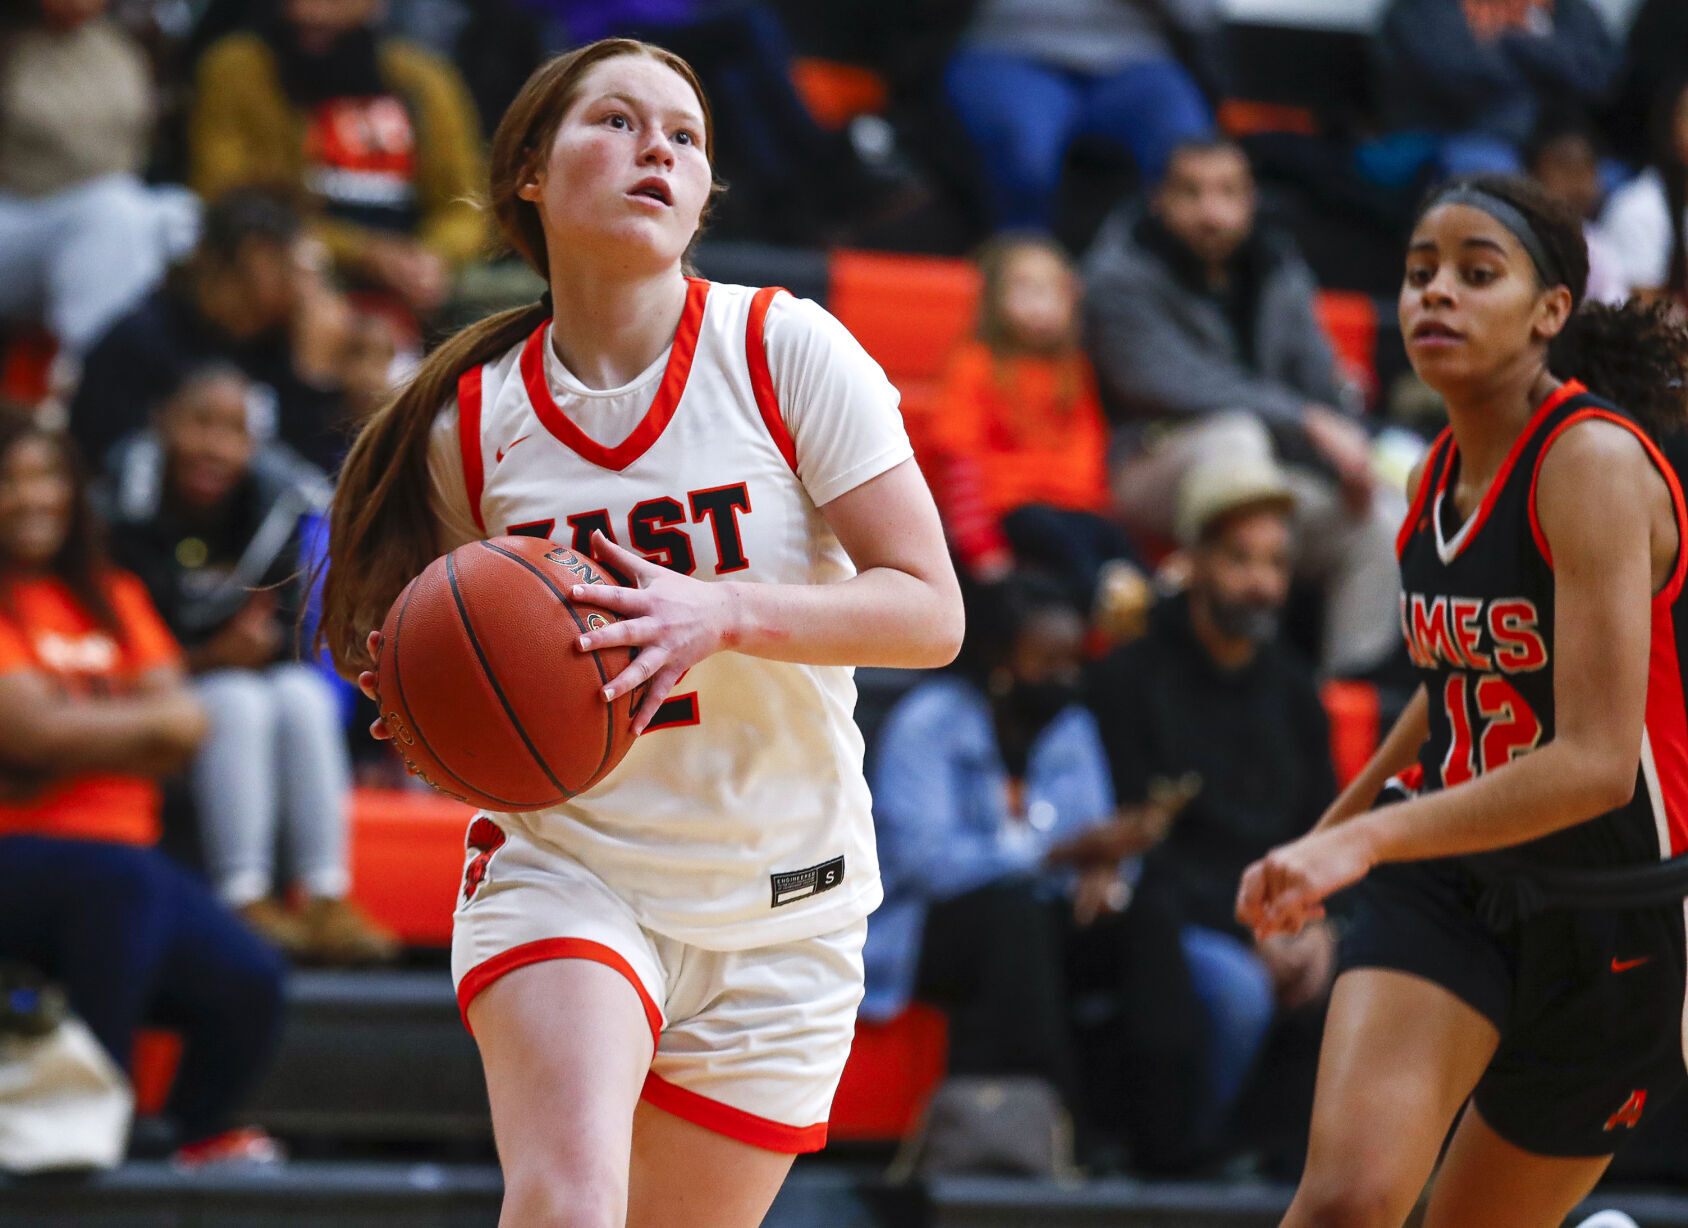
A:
{"x": 381, "y": 524}
{"x": 81, "y": 563}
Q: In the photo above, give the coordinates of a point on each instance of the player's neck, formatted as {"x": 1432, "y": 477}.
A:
{"x": 609, "y": 327}
{"x": 1487, "y": 420}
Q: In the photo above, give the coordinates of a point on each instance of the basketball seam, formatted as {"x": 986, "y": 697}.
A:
{"x": 492, "y": 679}
{"x": 398, "y": 677}
{"x": 603, "y": 674}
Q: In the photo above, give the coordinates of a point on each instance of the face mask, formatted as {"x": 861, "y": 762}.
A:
{"x": 1254, "y": 621}
{"x": 1038, "y": 703}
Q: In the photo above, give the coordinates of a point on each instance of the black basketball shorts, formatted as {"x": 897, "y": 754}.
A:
{"x": 1589, "y": 1004}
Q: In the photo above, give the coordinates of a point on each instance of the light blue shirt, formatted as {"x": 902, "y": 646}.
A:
{"x": 941, "y": 813}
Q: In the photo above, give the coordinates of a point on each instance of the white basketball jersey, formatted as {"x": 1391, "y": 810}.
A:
{"x": 740, "y": 817}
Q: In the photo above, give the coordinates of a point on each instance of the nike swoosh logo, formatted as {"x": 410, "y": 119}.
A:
{"x": 1624, "y": 965}
{"x": 499, "y": 456}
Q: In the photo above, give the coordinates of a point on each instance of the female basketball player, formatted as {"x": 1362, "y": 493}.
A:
{"x": 1516, "y": 942}
{"x": 662, "y": 974}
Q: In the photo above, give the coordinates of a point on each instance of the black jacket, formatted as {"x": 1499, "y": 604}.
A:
{"x": 1256, "y": 736}
{"x": 200, "y": 576}
{"x": 141, "y": 359}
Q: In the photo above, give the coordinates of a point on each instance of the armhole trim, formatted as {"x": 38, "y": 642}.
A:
{"x": 469, "y": 439}
{"x": 1433, "y": 460}
{"x": 761, "y": 381}
{"x": 1679, "y": 571}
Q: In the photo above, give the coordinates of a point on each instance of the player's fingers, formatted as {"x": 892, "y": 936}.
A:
{"x": 643, "y": 668}
{"x": 654, "y": 696}
{"x": 366, "y": 683}
{"x": 379, "y": 731}
{"x": 375, "y": 645}
{"x": 622, "y": 559}
{"x": 613, "y": 597}
{"x": 625, "y": 632}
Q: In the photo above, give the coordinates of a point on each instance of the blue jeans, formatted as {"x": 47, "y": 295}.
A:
{"x": 1236, "y": 991}
{"x": 1022, "y": 115}
{"x": 134, "y": 939}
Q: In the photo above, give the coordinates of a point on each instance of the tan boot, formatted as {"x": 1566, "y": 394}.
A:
{"x": 274, "y": 922}
{"x": 337, "y": 932}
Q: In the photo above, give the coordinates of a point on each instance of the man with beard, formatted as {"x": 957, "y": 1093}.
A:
{"x": 1210, "y": 692}
{"x": 380, "y": 135}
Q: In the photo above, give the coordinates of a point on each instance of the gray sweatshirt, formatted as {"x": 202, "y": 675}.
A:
{"x": 1165, "y": 350}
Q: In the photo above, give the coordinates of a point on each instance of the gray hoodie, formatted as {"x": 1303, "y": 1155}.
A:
{"x": 1165, "y": 349}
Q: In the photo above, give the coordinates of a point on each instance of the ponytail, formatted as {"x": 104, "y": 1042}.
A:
{"x": 1634, "y": 355}
{"x": 381, "y": 521}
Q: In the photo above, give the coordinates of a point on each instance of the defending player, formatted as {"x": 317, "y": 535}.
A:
{"x": 1518, "y": 938}
{"x": 662, "y": 974}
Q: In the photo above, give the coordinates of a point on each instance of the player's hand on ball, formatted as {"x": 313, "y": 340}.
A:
{"x": 366, "y": 683}
{"x": 673, "y": 620}
{"x": 1287, "y": 888}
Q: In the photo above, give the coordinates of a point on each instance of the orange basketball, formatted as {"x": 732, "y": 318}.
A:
{"x": 487, "y": 694}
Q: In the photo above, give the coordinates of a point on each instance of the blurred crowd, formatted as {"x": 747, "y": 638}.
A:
{"x": 227, "y": 229}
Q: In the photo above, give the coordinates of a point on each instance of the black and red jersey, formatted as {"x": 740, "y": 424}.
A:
{"x": 1478, "y": 614}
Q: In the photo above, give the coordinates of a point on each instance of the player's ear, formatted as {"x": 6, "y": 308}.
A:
{"x": 1553, "y": 309}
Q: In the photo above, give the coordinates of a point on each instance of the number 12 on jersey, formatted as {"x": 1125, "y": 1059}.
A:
{"x": 1502, "y": 727}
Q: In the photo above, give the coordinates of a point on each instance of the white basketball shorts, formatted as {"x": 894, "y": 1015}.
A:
{"x": 749, "y": 1044}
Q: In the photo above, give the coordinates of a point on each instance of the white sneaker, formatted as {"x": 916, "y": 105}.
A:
{"x": 1608, "y": 1219}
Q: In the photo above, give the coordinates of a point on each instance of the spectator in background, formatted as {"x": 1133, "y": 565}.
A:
{"x": 211, "y": 522}
{"x": 1646, "y": 218}
{"x": 1032, "y": 74}
{"x": 379, "y": 135}
{"x": 95, "y": 708}
{"x": 1210, "y": 691}
{"x": 1655, "y": 50}
{"x": 1462, "y": 83}
{"x": 250, "y": 294}
{"x": 1000, "y": 851}
{"x": 1201, "y": 325}
{"x": 792, "y": 181}
{"x": 1018, "y": 444}
{"x": 81, "y": 237}
{"x": 1561, "y": 156}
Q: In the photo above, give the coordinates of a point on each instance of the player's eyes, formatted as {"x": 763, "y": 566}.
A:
{"x": 1480, "y": 276}
{"x": 1419, "y": 276}
{"x": 686, "y": 136}
{"x": 616, "y": 119}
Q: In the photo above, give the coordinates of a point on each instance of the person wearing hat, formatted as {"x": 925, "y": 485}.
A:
{"x": 1210, "y": 692}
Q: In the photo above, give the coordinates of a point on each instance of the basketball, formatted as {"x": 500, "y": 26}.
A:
{"x": 488, "y": 696}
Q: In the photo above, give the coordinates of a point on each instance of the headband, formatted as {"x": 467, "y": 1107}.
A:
{"x": 1511, "y": 217}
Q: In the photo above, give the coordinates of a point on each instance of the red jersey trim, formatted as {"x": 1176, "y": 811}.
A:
{"x": 469, "y": 439}
{"x": 484, "y": 974}
{"x": 656, "y": 418}
{"x": 1673, "y": 586}
{"x": 734, "y": 1123}
{"x": 1432, "y": 459}
{"x": 1666, "y": 721}
{"x": 761, "y": 382}
{"x": 1553, "y": 401}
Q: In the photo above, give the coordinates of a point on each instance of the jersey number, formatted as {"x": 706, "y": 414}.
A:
{"x": 1508, "y": 726}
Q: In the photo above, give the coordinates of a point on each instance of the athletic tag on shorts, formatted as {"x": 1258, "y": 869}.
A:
{"x": 794, "y": 885}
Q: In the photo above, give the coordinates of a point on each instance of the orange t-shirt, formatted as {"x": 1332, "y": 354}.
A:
{"x": 47, "y": 630}
{"x": 1033, "y": 427}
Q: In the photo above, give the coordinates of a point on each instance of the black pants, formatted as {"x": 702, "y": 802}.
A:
{"x": 134, "y": 939}
{"x": 1106, "y": 1013}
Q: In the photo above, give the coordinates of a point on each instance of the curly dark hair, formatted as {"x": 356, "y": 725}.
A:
{"x": 1634, "y": 355}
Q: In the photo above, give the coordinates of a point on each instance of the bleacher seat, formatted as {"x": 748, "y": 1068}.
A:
{"x": 1354, "y": 710}
{"x": 836, "y": 93}
{"x": 407, "y": 859}
{"x": 1350, "y": 320}
{"x": 909, "y": 313}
